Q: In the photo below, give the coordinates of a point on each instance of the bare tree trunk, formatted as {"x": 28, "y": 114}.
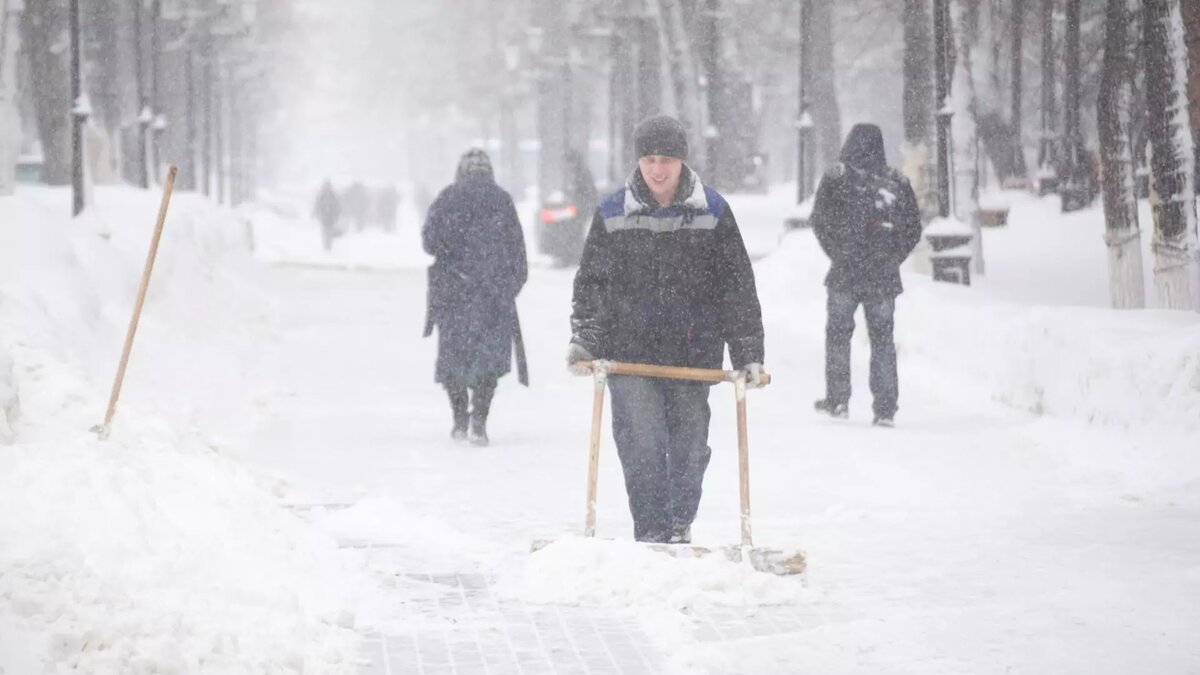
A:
{"x": 1177, "y": 254}
{"x": 104, "y": 21}
{"x": 1017, "y": 31}
{"x": 684, "y": 75}
{"x": 717, "y": 150}
{"x": 827, "y": 115}
{"x": 1047, "y": 173}
{"x": 9, "y": 124}
{"x": 1077, "y": 189}
{"x": 1122, "y": 235}
{"x": 965, "y": 25}
{"x": 1191, "y": 21}
{"x": 44, "y": 33}
{"x": 551, "y": 93}
{"x": 919, "y": 104}
{"x": 918, "y": 73}
{"x": 1073, "y": 73}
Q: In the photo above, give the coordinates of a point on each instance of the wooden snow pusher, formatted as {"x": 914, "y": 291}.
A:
{"x": 772, "y": 561}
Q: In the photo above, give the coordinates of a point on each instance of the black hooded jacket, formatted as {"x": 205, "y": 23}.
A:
{"x": 866, "y": 218}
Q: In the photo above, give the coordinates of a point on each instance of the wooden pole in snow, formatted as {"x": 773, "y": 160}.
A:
{"x": 169, "y": 185}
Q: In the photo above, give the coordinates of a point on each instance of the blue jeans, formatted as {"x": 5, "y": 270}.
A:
{"x": 880, "y": 313}
{"x": 661, "y": 430}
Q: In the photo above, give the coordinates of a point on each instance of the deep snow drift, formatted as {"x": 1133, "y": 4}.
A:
{"x": 153, "y": 551}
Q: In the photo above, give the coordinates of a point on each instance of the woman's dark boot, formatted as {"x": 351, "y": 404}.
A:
{"x": 458, "y": 405}
{"x": 481, "y": 404}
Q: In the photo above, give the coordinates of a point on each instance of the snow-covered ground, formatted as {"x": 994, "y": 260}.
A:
{"x": 1034, "y": 511}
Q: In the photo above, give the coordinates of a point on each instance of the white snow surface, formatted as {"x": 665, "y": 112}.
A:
{"x": 1034, "y": 510}
{"x": 154, "y": 551}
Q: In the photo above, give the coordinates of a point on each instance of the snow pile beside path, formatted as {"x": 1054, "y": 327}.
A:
{"x": 614, "y": 573}
{"x": 9, "y": 403}
{"x": 1128, "y": 369}
{"x": 151, "y": 552}
{"x": 155, "y": 554}
{"x": 1122, "y": 368}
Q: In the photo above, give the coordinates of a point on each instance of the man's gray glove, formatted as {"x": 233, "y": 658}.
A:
{"x": 754, "y": 375}
{"x": 576, "y": 353}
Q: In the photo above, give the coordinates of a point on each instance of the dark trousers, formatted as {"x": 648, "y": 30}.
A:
{"x": 661, "y": 430}
{"x": 480, "y": 400}
{"x": 839, "y": 328}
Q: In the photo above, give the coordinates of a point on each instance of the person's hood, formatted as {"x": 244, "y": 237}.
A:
{"x": 863, "y": 149}
{"x": 474, "y": 163}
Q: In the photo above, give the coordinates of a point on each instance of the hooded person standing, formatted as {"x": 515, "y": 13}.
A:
{"x": 474, "y": 234}
{"x": 867, "y": 220}
{"x": 665, "y": 280}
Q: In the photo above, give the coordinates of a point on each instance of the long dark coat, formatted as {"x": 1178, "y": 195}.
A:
{"x": 866, "y": 218}
{"x": 473, "y": 231}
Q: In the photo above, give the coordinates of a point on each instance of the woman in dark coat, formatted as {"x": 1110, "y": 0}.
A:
{"x": 473, "y": 231}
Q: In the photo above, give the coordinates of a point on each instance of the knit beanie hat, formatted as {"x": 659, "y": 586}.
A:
{"x": 660, "y": 135}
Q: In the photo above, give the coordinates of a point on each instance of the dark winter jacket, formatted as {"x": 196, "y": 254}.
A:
{"x": 866, "y": 218}
{"x": 667, "y": 286}
{"x": 473, "y": 231}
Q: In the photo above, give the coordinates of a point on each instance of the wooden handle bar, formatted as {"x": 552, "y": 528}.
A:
{"x": 669, "y": 372}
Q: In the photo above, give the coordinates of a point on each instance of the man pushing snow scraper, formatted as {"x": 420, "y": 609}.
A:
{"x": 664, "y": 284}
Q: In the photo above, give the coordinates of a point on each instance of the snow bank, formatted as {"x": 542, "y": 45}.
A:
{"x": 1131, "y": 369}
{"x": 151, "y": 552}
{"x": 155, "y": 554}
{"x": 9, "y": 403}
{"x": 1128, "y": 369}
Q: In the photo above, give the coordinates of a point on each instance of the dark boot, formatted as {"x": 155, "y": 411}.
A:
{"x": 458, "y": 406}
{"x": 478, "y": 436}
{"x": 838, "y": 410}
{"x": 481, "y": 405}
{"x": 681, "y": 535}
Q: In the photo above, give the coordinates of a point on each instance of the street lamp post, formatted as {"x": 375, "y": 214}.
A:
{"x": 145, "y": 114}
{"x": 158, "y": 120}
{"x": 79, "y": 113}
{"x": 944, "y": 110}
{"x": 950, "y": 240}
{"x": 804, "y": 121}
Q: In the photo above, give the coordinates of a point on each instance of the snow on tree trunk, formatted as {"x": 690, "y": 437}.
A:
{"x": 1177, "y": 253}
{"x": 1122, "y": 235}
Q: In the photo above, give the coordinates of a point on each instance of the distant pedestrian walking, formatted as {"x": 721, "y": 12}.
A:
{"x": 328, "y": 212}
